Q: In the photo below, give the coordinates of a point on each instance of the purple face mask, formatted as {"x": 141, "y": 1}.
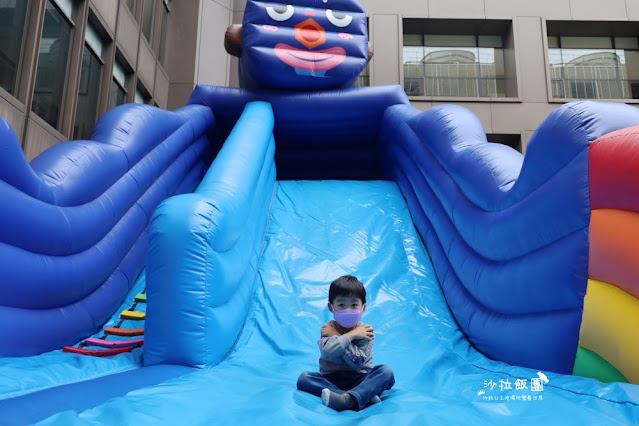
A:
{"x": 348, "y": 318}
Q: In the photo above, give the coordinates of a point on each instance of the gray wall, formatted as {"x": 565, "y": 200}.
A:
{"x": 197, "y": 47}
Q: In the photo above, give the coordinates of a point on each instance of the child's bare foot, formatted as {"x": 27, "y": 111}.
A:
{"x": 376, "y": 399}
{"x": 336, "y": 401}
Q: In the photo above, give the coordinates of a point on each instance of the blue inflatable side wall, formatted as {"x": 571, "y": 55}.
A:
{"x": 204, "y": 249}
{"x": 513, "y": 266}
{"x": 73, "y": 223}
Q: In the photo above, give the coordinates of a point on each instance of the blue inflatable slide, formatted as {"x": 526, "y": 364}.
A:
{"x": 174, "y": 269}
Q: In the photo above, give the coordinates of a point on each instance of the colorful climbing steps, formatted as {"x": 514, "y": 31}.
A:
{"x": 114, "y": 347}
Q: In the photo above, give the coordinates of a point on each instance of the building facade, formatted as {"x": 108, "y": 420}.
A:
{"x": 510, "y": 62}
{"x": 64, "y": 63}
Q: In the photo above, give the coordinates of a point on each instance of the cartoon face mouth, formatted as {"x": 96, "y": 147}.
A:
{"x": 321, "y": 60}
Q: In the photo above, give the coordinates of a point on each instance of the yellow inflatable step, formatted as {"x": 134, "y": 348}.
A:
{"x": 131, "y": 315}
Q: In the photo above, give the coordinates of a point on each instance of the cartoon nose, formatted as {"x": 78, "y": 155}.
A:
{"x": 310, "y": 33}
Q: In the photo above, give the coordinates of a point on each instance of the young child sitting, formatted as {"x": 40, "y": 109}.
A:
{"x": 347, "y": 379}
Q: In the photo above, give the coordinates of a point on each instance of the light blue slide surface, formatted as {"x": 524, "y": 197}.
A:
{"x": 317, "y": 231}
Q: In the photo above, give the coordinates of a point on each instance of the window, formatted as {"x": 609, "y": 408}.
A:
{"x": 52, "y": 63}
{"x": 142, "y": 95}
{"x": 12, "y": 16}
{"x": 585, "y": 67}
{"x": 459, "y": 57}
{"x": 131, "y": 5}
{"x": 89, "y": 92}
{"x": 363, "y": 79}
{"x": 164, "y": 30}
{"x": 118, "y": 86}
{"x": 454, "y": 65}
{"x": 147, "y": 19}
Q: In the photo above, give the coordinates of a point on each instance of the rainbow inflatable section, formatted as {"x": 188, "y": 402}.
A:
{"x": 175, "y": 268}
{"x": 608, "y": 344}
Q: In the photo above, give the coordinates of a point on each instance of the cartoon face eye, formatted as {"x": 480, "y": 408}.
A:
{"x": 339, "y": 19}
{"x": 280, "y": 12}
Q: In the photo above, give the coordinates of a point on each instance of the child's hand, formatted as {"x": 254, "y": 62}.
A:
{"x": 361, "y": 332}
{"x": 329, "y": 330}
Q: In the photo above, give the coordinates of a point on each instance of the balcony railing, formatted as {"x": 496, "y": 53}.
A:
{"x": 585, "y": 88}
{"x": 467, "y": 87}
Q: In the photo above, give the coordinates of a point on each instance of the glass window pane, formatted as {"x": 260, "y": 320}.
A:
{"x": 414, "y": 86}
{"x": 450, "y": 40}
{"x": 626, "y": 43}
{"x": 118, "y": 95}
{"x": 139, "y": 99}
{"x": 453, "y": 65}
{"x": 631, "y": 60}
{"x": 66, "y": 6}
{"x": 142, "y": 95}
{"x": 413, "y": 40}
{"x": 52, "y": 65}
{"x": 490, "y": 41}
{"x": 590, "y": 72}
{"x": 452, "y": 72}
{"x": 414, "y": 70}
{"x": 93, "y": 39}
{"x": 165, "y": 28}
{"x": 586, "y": 42}
{"x": 131, "y": 5}
{"x": 147, "y": 19}
{"x": 462, "y": 65}
{"x": 119, "y": 74}
{"x": 363, "y": 79}
{"x": 553, "y": 42}
{"x": 12, "y": 15}
{"x": 88, "y": 95}
{"x": 413, "y": 54}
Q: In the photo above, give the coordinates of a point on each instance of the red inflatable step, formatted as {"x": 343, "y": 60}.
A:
{"x": 114, "y": 331}
{"x": 96, "y": 352}
{"x": 114, "y": 343}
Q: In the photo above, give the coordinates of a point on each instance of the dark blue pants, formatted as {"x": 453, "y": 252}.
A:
{"x": 363, "y": 386}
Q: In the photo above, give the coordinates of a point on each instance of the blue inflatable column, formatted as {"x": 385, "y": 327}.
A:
{"x": 204, "y": 249}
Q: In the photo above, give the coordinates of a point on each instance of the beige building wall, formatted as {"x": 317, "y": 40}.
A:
{"x": 213, "y": 61}
{"x": 182, "y": 50}
{"x": 196, "y": 43}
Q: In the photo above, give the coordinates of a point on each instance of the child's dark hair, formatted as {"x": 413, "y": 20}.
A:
{"x": 347, "y": 286}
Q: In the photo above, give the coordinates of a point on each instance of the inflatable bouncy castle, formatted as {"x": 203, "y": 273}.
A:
{"x": 175, "y": 268}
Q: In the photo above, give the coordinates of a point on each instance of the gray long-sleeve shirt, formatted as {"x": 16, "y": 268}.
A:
{"x": 338, "y": 353}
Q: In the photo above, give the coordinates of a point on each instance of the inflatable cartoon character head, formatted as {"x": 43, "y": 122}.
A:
{"x": 301, "y": 44}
